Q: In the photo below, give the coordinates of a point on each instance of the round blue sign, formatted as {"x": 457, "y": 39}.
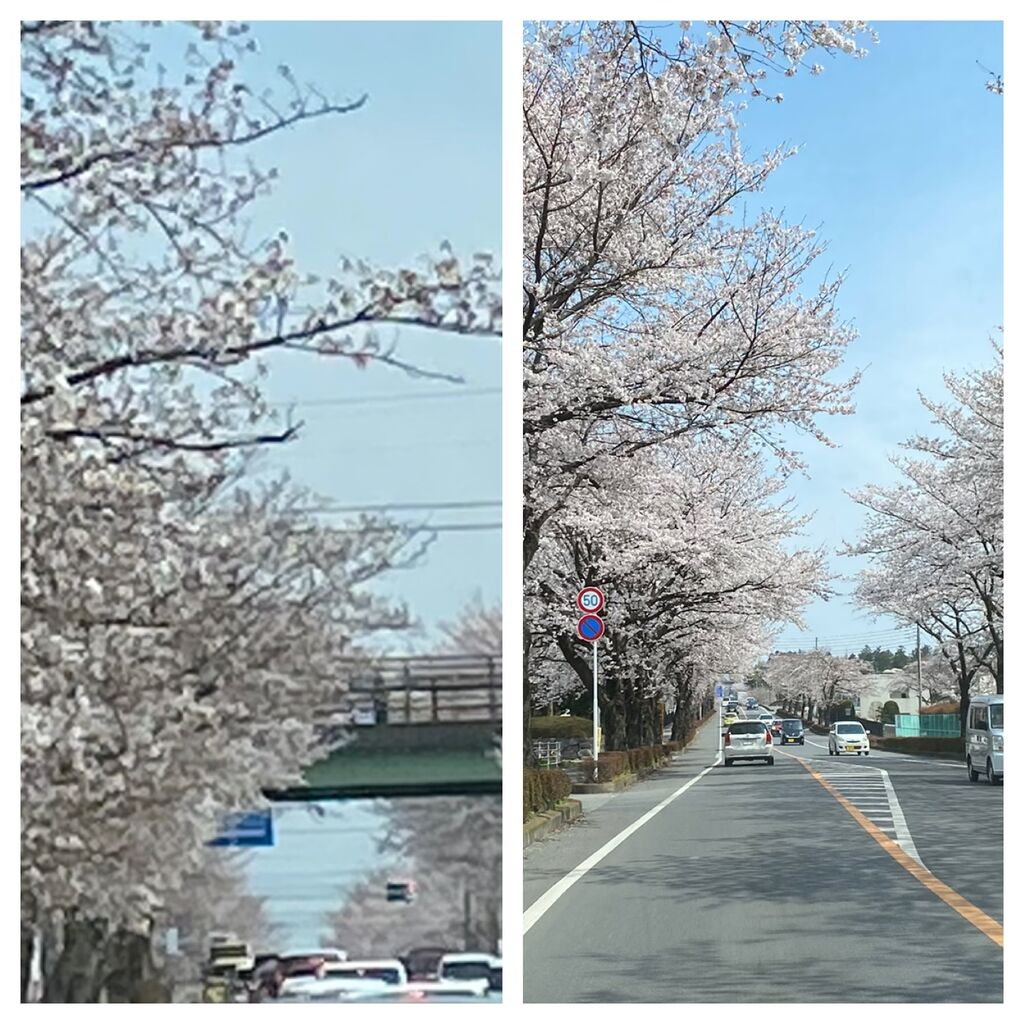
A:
{"x": 590, "y": 628}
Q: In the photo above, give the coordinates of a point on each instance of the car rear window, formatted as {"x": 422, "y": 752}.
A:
{"x": 388, "y": 974}
{"x": 742, "y": 728}
{"x": 468, "y": 970}
{"x": 850, "y": 730}
{"x": 792, "y": 726}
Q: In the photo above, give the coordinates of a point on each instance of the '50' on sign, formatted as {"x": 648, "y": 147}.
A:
{"x": 590, "y": 599}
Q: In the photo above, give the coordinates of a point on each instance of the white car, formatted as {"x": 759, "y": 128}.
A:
{"x": 312, "y": 990}
{"x": 467, "y": 966}
{"x": 984, "y": 741}
{"x": 747, "y": 741}
{"x": 848, "y": 738}
{"x": 390, "y": 971}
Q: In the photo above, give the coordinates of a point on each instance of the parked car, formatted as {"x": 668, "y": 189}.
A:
{"x": 792, "y": 731}
{"x": 747, "y": 741}
{"x": 984, "y": 742}
{"x": 848, "y": 738}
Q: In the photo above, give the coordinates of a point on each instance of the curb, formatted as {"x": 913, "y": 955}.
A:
{"x": 542, "y": 824}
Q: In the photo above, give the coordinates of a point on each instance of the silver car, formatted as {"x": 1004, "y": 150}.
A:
{"x": 747, "y": 741}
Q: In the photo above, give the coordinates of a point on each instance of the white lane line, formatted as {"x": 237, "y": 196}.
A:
{"x": 544, "y": 903}
{"x": 903, "y": 836}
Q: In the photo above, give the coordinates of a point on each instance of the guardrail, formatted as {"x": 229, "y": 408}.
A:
{"x": 420, "y": 689}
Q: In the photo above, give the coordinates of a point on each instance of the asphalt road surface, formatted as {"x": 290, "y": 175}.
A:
{"x": 760, "y": 884}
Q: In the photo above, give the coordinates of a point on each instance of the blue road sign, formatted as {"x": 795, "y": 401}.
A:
{"x": 253, "y": 829}
{"x": 590, "y": 627}
{"x": 719, "y": 691}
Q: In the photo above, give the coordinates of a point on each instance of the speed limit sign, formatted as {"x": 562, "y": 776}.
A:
{"x": 590, "y": 599}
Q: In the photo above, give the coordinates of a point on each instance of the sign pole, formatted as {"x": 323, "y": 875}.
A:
{"x": 595, "y": 711}
{"x": 590, "y": 628}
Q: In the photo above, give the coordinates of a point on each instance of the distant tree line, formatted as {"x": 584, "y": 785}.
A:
{"x": 881, "y": 660}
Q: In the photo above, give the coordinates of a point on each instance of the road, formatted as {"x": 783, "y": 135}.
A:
{"x": 757, "y": 884}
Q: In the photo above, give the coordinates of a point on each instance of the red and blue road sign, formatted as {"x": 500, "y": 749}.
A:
{"x": 590, "y": 628}
{"x": 590, "y": 599}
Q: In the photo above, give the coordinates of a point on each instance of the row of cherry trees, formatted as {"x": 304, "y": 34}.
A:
{"x": 450, "y": 847}
{"x": 934, "y": 539}
{"x": 673, "y": 347}
{"x": 180, "y": 628}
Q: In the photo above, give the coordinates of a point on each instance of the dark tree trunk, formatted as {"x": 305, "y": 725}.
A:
{"x": 76, "y": 972}
{"x": 131, "y": 974}
{"x": 27, "y": 947}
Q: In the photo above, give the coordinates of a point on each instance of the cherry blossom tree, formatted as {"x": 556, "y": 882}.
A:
{"x": 934, "y": 540}
{"x": 451, "y": 848}
{"x": 653, "y": 308}
{"x": 819, "y": 676}
{"x": 475, "y": 630}
{"x": 180, "y": 629}
{"x": 690, "y": 544}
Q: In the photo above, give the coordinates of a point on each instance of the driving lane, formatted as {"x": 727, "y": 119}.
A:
{"x": 957, "y": 827}
{"x": 753, "y": 869}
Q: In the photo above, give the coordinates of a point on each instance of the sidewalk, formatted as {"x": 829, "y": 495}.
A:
{"x": 606, "y": 814}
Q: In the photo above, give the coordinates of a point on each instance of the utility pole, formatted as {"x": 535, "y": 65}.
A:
{"x": 919, "y": 678}
{"x": 467, "y": 907}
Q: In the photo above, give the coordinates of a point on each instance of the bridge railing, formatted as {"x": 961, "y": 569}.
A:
{"x": 418, "y": 689}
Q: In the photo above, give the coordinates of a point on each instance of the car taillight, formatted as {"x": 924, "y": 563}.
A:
{"x": 767, "y": 737}
{"x": 728, "y": 740}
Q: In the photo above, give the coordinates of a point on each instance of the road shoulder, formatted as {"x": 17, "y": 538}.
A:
{"x": 604, "y": 817}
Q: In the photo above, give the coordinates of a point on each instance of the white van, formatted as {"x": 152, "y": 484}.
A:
{"x": 984, "y": 743}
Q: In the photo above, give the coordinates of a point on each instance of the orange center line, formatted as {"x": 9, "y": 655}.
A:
{"x": 988, "y": 926}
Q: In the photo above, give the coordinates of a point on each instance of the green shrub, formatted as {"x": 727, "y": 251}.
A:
{"x": 890, "y": 709}
{"x": 558, "y": 727}
{"x": 542, "y": 789}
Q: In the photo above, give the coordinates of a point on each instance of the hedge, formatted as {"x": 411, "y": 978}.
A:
{"x": 561, "y": 727}
{"x": 542, "y": 789}
{"x": 638, "y": 761}
{"x": 921, "y": 744}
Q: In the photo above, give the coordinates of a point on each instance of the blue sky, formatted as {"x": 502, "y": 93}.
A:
{"x": 419, "y": 163}
{"x": 900, "y": 165}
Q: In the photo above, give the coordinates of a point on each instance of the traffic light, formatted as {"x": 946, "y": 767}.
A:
{"x": 401, "y": 892}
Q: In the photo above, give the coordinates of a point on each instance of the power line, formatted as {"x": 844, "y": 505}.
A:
{"x": 402, "y": 506}
{"x": 808, "y": 640}
{"x": 423, "y": 527}
{"x": 865, "y": 634}
{"x": 415, "y": 396}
